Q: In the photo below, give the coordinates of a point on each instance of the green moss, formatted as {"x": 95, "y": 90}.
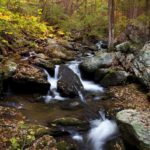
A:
{"x": 62, "y": 145}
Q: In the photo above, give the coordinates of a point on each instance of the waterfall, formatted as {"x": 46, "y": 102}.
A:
{"x": 52, "y": 93}
{"x": 102, "y": 131}
{"x": 74, "y": 66}
{"x": 88, "y": 85}
{"x": 81, "y": 97}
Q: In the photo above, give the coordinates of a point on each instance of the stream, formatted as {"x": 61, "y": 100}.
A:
{"x": 100, "y": 131}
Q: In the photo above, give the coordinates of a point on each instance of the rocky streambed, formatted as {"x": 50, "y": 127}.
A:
{"x": 57, "y": 99}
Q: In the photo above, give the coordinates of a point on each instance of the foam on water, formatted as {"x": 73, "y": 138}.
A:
{"x": 74, "y": 66}
{"x": 88, "y": 85}
{"x": 101, "y": 132}
{"x": 77, "y": 137}
{"x": 52, "y": 93}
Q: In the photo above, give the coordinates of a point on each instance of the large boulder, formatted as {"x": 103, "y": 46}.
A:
{"x": 8, "y": 68}
{"x": 132, "y": 33}
{"x": 69, "y": 83}
{"x": 100, "y": 74}
{"x": 125, "y": 47}
{"x": 29, "y": 78}
{"x": 135, "y": 128}
{"x": 110, "y": 77}
{"x": 68, "y": 121}
{"x": 113, "y": 78}
{"x": 141, "y": 65}
{"x": 45, "y": 62}
{"x": 91, "y": 64}
{"x": 55, "y": 49}
{"x": 126, "y": 60}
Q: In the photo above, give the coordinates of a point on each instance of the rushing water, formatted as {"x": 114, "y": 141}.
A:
{"x": 88, "y": 85}
{"x": 101, "y": 132}
{"x": 52, "y": 93}
{"x": 101, "y": 129}
{"x": 74, "y": 66}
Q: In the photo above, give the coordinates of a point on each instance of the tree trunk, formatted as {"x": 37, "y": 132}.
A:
{"x": 147, "y": 13}
{"x": 111, "y": 9}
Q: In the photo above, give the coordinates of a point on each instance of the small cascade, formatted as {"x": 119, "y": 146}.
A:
{"x": 52, "y": 93}
{"x": 75, "y": 135}
{"x": 88, "y": 85}
{"x": 81, "y": 97}
{"x": 74, "y": 66}
{"x": 102, "y": 45}
{"x": 101, "y": 132}
{"x": 31, "y": 54}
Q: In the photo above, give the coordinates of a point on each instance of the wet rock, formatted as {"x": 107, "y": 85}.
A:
{"x": 101, "y": 60}
{"x": 69, "y": 83}
{"x": 56, "y": 50}
{"x": 1, "y": 58}
{"x": 74, "y": 105}
{"x": 135, "y": 128}
{"x": 141, "y": 65}
{"x": 28, "y": 79}
{"x": 100, "y": 73}
{"x": 9, "y": 67}
{"x": 126, "y": 60}
{"x": 124, "y": 47}
{"x": 101, "y": 45}
{"x": 7, "y": 70}
{"x": 44, "y": 63}
{"x": 116, "y": 144}
{"x": 113, "y": 78}
{"x": 45, "y": 142}
{"x": 132, "y": 33}
{"x": 63, "y": 145}
{"x": 68, "y": 121}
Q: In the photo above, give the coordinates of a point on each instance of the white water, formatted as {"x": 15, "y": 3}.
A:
{"x": 81, "y": 97}
{"x": 101, "y": 132}
{"x": 52, "y": 93}
{"x": 31, "y": 54}
{"x": 77, "y": 137}
{"x": 88, "y": 85}
{"x": 99, "y": 45}
{"x": 74, "y": 66}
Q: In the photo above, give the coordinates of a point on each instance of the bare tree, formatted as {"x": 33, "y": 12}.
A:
{"x": 111, "y": 9}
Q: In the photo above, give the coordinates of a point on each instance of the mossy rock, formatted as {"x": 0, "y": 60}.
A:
{"x": 68, "y": 121}
{"x": 8, "y": 68}
{"x": 135, "y": 128}
{"x": 113, "y": 78}
{"x": 45, "y": 142}
{"x": 62, "y": 145}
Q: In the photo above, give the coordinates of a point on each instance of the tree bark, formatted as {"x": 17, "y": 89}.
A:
{"x": 147, "y": 13}
{"x": 111, "y": 16}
